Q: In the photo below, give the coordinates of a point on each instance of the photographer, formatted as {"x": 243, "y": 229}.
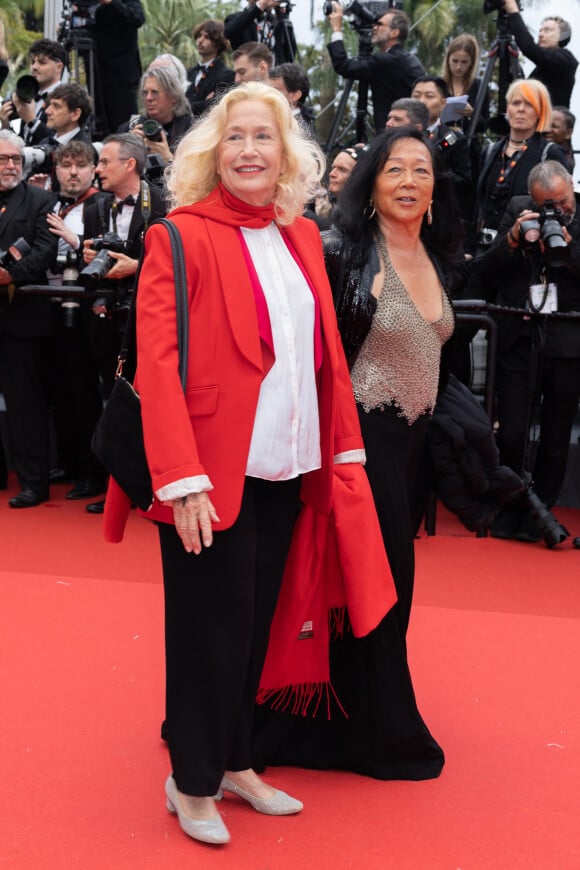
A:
{"x": 555, "y": 64}
{"x": 263, "y": 21}
{"x": 166, "y": 118}
{"x": 47, "y": 63}
{"x": 390, "y": 71}
{"x": 118, "y": 217}
{"x": 210, "y": 77}
{"x": 76, "y": 398}
{"x": 25, "y": 322}
{"x": 543, "y": 275}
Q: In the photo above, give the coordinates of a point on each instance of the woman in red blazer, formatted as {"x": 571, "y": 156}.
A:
{"x": 267, "y": 411}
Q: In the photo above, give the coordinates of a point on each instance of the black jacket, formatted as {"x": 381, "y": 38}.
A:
{"x": 25, "y": 215}
{"x": 97, "y": 222}
{"x": 241, "y": 27}
{"x": 216, "y": 80}
{"x": 555, "y": 67}
{"x": 512, "y": 271}
{"x": 390, "y": 74}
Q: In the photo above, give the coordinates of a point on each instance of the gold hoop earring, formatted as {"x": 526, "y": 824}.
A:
{"x": 430, "y": 213}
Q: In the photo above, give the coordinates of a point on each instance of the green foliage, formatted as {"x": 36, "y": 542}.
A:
{"x": 168, "y": 27}
{"x": 18, "y": 38}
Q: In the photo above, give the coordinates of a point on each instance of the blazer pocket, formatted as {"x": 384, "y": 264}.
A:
{"x": 202, "y": 400}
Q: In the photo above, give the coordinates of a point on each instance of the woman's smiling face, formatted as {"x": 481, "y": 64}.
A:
{"x": 250, "y": 156}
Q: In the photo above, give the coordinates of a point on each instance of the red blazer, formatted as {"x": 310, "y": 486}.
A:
{"x": 208, "y": 429}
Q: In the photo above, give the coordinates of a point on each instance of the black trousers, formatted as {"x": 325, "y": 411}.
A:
{"x": 24, "y": 381}
{"x": 559, "y": 387}
{"x": 218, "y": 609}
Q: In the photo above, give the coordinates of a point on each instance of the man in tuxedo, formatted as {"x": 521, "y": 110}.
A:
{"x": 390, "y": 71}
{"x": 537, "y": 357}
{"x": 210, "y": 76}
{"x": 126, "y": 207}
{"x": 77, "y": 401}
{"x": 26, "y": 323}
{"x": 47, "y": 63}
{"x": 68, "y": 110}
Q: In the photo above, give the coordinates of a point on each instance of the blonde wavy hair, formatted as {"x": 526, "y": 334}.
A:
{"x": 536, "y": 94}
{"x": 193, "y": 173}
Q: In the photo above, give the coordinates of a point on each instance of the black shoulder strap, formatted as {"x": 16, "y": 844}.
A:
{"x": 181, "y": 303}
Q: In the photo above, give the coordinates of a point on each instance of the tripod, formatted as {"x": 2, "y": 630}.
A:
{"x": 286, "y": 47}
{"x": 363, "y": 128}
{"x": 504, "y": 48}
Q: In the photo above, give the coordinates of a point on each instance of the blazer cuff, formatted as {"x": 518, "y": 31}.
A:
{"x": 350, "y": 456}
{"x": 183, "y": 487}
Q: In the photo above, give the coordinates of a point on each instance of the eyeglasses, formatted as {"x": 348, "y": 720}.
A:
{"x": 16, "y": 159}
{"x": 104, "y": 161}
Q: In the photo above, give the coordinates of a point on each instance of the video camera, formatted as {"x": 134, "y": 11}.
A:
{"x": 103, "y": 262}
{"x": 548, "y": 229}
{"x": 365, "y": 16}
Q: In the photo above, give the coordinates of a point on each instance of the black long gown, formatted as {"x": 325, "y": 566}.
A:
{"x": 384, "y": 735}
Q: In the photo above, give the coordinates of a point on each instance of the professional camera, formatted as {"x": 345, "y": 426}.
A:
{"x": 152, "y": 129}
{"x": 365, "y": 16}
{"x": 37, "y": 158}
{"x": 490, "y": 6}
{"x": 103, "y": 262}
{"x": 548, "y": 228}
{"x": 17, "y": 250}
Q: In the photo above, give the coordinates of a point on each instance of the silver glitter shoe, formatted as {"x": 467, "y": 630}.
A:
{"x": 206, "y": 830}
{"x": 280, "y": 804}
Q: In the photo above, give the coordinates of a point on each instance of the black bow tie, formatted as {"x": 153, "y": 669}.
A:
{"x": 43, "y": 96}
{"x": 129, "y": 200}
{"x": 67, "y": 200}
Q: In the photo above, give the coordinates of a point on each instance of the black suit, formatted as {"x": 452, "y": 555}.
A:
{"x": 215, "y": 80}
{"x": 118, "y": 61}
{"x": 555, "y": 67}
{"x": 26, "y": 327}
{"x": 390, "y": 74}
{"x": 242, "y": 27}
{"x": 559, "y": 362}
{"x": 454, "y": 148}
{"x": 106, "y": 333}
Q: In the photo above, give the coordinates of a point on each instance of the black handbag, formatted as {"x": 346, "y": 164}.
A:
{"x": 118, "y": 438}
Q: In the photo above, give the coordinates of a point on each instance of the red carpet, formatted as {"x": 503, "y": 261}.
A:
{"x": 494, "y": 647}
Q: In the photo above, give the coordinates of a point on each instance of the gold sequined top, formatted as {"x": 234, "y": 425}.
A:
{"x": 398, "y": 363}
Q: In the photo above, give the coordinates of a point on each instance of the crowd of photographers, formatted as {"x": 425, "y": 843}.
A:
{"x": 79, "y": 184}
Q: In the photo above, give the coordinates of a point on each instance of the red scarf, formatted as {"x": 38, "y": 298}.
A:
{"x": 337, "y": 562}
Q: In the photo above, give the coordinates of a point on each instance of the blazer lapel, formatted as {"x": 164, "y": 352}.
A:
{"x": 13, "y": 203}
{"x": 237, "y": 289}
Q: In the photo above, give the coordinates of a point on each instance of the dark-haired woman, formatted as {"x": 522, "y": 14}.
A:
{"x": 395, "y": 232}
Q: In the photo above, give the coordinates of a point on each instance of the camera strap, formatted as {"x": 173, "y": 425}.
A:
{"x": 145, "y": 203}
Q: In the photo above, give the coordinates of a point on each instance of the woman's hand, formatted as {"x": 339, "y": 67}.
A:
{"x": 192, "y": 515}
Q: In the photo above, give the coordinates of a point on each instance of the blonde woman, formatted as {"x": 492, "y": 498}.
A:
{"x": 267, "y": 411}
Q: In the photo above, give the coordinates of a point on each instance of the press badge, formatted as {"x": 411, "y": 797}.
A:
{"x": 543, "y": 298}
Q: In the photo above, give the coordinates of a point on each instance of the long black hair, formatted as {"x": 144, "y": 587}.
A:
{"x": 442, "y": 238}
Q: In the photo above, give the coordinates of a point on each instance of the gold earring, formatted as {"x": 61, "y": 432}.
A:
{"x": 370, "y": 214}
{"x": 430, "y": 214}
